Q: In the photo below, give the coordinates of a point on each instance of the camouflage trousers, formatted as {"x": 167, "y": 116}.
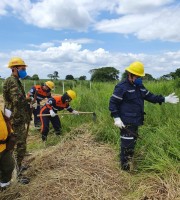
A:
{"x": 6, "y": 166}
{"x": 20, "y": 150}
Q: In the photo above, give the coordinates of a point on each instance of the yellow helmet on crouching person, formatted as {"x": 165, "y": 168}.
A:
{"x": 136, "y": 68}
{"x": 16, "y": 61}
{"x": 50, "y": 84}
{"x": 68, "y": 96}
{"x": 71, "y": 94}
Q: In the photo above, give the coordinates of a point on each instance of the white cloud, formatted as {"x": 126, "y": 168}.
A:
{"x": 80, "y": 41}
{"x": 146, "y": 19}
{"x": 43, "y": 45}
{"x": 56, "y": 14}
{"x": 71, "y": 58}
{"x": 3, "y": 10}
{"x": 140, "y": 7}
{"x": 162, "y": 24}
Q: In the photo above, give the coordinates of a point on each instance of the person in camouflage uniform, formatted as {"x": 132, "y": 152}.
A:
{"x": 15, "y": 100}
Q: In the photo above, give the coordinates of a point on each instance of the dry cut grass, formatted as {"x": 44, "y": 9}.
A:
{"x": 77, "y": 168}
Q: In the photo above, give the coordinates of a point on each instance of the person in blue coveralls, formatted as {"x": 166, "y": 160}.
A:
{"x": 127, "y": 108}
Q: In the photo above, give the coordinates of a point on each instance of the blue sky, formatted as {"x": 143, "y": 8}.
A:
{"x": 75, "y": 36}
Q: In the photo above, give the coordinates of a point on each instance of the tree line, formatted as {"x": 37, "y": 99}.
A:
{"x": 105, "y": 74}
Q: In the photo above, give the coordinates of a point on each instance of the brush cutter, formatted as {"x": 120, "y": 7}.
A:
{"x": 68, "y": 113}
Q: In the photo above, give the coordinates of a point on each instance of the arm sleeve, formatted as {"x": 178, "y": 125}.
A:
{"x": 31, "y": 95}
{"x": 69, "y": 108}
{"x": 12, "y": 95}
{"x": 50, "y": 103}
{"x": 153, "y": 98}
{"x": 115, "y": 101}
{"x": 31, "y": 92}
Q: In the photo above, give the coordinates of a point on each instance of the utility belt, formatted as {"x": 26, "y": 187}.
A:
{"x": 3, "y": 141}
{"x": 10, "y": 141}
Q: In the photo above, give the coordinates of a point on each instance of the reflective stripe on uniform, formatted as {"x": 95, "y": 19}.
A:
{"x": 54, "y": 108}
{"x": 117, "y": 97}
{"x": 147, "y": 93}
{"x": 127, "y": 138}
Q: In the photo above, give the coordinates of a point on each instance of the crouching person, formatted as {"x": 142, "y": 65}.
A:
{"x": 7, "y": 143}
{"x": 49, "y": 111}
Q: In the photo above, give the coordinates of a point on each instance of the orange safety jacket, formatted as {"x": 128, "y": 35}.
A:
{"x": 40, "y": 95}
{"x": 56, "y": 104}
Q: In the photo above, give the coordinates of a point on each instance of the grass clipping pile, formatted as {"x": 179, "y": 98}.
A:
{"x": 76, "y": 168}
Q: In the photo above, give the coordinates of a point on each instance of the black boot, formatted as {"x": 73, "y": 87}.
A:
{"x": 125, "y": 166}
{"x": 44, "y": 138}
{"x": 4, "y": 186}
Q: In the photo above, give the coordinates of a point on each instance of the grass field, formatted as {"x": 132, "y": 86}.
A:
{"x": 157, "y": 152}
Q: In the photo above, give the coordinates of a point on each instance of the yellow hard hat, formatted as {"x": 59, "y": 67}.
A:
{"x": 50, "y": 84}
{"x": 16, "y": 61}
{"x": 71, "y": 94}
{"x": 136, "y": 68}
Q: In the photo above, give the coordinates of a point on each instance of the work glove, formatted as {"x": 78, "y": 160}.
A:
{"x": 75, "y": 112}
{"x": 119, "y": 123}
{"x": 34, "y": 105}
{"x": 32, "y": 99}
{"x": 172, "y": 98}
{"x": 7, "y": 112}
{"x": 52, "y": 113}
{"x": 29, "y": 99}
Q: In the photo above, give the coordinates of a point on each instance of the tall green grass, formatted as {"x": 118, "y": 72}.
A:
{"x": 158, "y": 147}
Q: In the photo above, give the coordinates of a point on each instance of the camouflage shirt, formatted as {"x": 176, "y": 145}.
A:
{"x": 15, "y": 100}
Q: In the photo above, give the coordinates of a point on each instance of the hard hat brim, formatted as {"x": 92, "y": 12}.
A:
{"x": 132, "y": 72}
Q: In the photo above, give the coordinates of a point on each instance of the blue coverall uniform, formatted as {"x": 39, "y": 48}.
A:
{"x": 127, "y": 102}
{"x": 56, "y": 104}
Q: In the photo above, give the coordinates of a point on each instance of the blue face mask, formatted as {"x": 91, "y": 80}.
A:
{"x": 22, "y": 74}
{"x": 138, "y": 81}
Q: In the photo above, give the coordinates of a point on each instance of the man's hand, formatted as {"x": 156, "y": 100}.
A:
{"x": 52, "y": 113}
{"x": 34, "y": 105}
{"x": 119, "y": 123}
{"x": 172, "y": 98}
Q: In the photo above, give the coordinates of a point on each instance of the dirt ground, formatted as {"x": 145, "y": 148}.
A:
{"x": 76, "y": 168}
{"x": 79, "y": 168}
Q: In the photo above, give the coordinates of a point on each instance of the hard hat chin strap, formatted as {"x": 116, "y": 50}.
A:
{"x": 66, "y": 98}
{"x": 130, "y": 77}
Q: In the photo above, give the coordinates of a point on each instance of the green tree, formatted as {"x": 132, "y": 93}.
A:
{"x": 27, "y": 77}
{"x": 69, "y": 77}
{"x": 176, "y": 74}
{"x": 166, "y": 77}
{"x": 51, "y": 76}
{"x": 35, "y": 77}
{"x": 82, "y": 78}
{"x": 124, "y": 75}
{"x": 55, "y": 75}
{"x": 104, "y": 74}
{"x": 148, "y": 77}
{"x": 171, "y": 75}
